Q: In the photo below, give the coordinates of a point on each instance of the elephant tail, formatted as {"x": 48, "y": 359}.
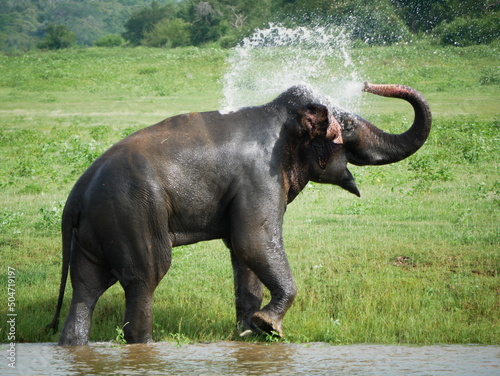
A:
{"x": 67, "y": 232}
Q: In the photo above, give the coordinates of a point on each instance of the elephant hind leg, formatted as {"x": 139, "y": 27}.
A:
{"x": 89, "y": 282}
{"x": 138, "y": 322}
{"x": 139, "y": 283}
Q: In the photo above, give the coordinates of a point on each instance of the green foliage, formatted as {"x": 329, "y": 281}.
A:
{"x": 120, "y": 335}
{"x": 427, "y": 171}
{"x": 178, "y": 337}
{"x": 50, "y": 218}
{"x": 423, "y": 15}
{"x": 465, "y": 31}
{"x": 375, "y": 22}
{"x": 11, "y": 221}
{"x": 490, "y": 76}
{"x": 57, "y": 37}
{"x": 144, "y": 20}
{"x": 168, "y": 33}
{"x": 111, "y": 40}
{"x": 22, "y": 23}
{"x": 426, "y": 15}
{"x": 370, "y": 22}
{"x": 174, "y": 23}
{"x": 207, "y": 23}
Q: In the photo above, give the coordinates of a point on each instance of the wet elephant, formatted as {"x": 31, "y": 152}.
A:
{"x": 211, "y": 175}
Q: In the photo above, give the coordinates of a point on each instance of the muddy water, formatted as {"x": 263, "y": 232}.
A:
{"x": 235, "y": 358}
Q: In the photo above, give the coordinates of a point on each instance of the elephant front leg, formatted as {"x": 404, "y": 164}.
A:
{"x": 283, "y": 290}
{"x": 248, "y": 295}
{"x": 257, "y": 242}
{"x": 263, "y": 259}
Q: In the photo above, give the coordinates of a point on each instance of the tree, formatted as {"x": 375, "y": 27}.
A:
{"x": 144, "y": 20}
{"x": 374, "y": 22}
{"x": 465, "y": 31}
{"x": 207, "y": 23}
{"x": 423, "y": 15}
{"x": 169, "y": 33}
{"x": 371, "y": 21}
{"x": 426, "y": 15}
{"x": 24, "y": 23}
{"x": 57, "y": 37}
{"x": 245, "y": 15}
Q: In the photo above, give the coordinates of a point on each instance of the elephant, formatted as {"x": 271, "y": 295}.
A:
{"x": 214, "y": 175}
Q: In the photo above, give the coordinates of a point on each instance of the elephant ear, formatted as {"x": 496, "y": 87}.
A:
{"x": 323, "y": 129}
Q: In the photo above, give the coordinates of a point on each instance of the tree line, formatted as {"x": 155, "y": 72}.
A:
{"x": 53, "y": 24}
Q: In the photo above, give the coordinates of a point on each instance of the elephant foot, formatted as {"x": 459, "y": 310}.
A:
{"x": 72, "y": 341}
{"x": 263, "y": 322}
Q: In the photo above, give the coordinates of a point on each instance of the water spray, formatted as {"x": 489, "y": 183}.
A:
{"x": 271, "y": 60}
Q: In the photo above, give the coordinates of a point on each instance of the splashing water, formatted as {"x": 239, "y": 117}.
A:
{"x": 270, "y": 61}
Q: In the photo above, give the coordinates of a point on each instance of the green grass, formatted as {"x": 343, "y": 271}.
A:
{"x": 415, "y": 260}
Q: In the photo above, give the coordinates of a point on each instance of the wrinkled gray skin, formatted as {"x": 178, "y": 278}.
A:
{"x": 206, "y": 176}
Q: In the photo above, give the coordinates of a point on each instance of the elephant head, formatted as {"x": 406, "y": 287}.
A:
{"x": 362, "y": 143}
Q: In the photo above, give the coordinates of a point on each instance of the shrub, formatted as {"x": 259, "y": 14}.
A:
{"x": 111, "y": 40}
{"x": 468, "y": 31}
{"x": 57, "y": 37}
{"x": 375, "y": 23}
{"x": 168, "y": 33}
{"x": 143, "y": 20}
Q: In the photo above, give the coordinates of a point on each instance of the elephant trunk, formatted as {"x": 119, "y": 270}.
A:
{"x": 368, "y": 145}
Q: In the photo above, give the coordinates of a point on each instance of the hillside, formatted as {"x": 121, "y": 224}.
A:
{"x": 23, "y": 22}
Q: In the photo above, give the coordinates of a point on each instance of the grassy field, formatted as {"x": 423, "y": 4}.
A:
{"x": 415, "y": 260}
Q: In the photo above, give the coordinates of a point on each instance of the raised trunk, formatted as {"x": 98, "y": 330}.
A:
{"x": 368, "y": 145}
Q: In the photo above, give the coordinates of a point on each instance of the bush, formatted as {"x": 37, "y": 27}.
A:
{"x": 168, "y": 33}
{"x": 57, "y": 37}
{"x": 373, "y": 22}
{"x": 468, "y": 31}
{"x": 111, "y": 40}
{"x": 144, "y": 20}
{"x": 377, "y": 25}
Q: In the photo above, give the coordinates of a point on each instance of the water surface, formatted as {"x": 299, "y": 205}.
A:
{"x": 237, "y": 358}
